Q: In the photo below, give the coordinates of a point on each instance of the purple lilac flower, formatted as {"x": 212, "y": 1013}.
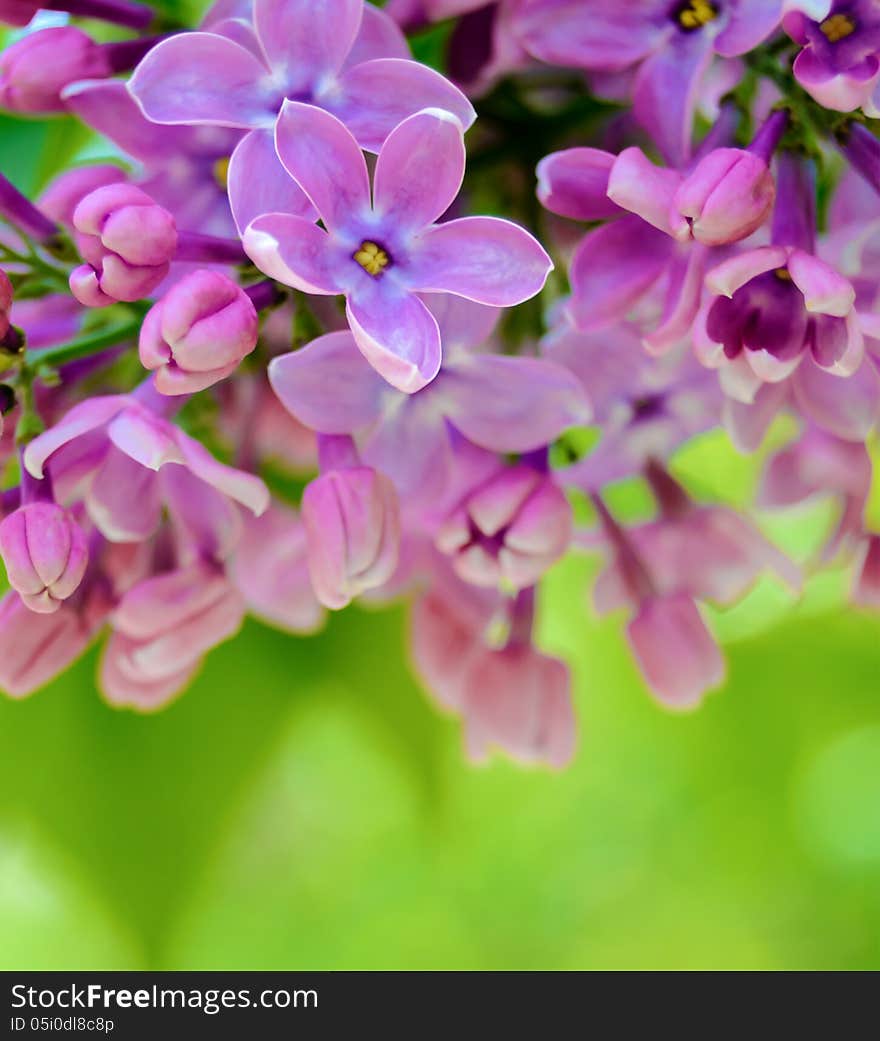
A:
{"x": 323, "y": 52}
{"x": 381, "y": 253}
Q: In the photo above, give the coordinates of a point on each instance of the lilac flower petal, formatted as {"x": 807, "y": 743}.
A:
{"x": 603, "y": 37}
{"x": 85, "y": 416}
{"x": 847, "y": 407}
{"x": 144, "y": 437}
{"x": 574, "y": 183}
{"x": 259, "y": 184}
{"x": 419, "y": 170}
{"x": 324, "y": 159}
{"x": 379, "y": 37}
{"x": 211, "y": 522}
{"x": 511, "y": 404}
{"x": 487, "y": 259}
{"x": 732, "y": 274}
{"x": 373, "y": 97}
{"x": 203, "y": 78}
{"x": 243, "y": 487}
{"x": 825, "y": 290}
{"x": 293, "y": 251}
{"x": 307, "y": 39}
{"x": 638, "y": 185}
{"x": 837, "y": 343}
{"x": 750, "y": 23}
{"x": 748, "y": 423}
{"x": 123, "y": 499}
{"x": 463, "y": 323}
{"x": 397, "y": 335}
{"x": 665, "y": 92}
{"x": 328, "y": 385}
{"x": 613, "y": 267}
{"x": 682, "y": 301}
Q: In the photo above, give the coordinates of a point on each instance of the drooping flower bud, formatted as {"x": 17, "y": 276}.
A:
{"x": 198, "y": 333}
{"x": 509, "y": 531}
{"x": 675, "y": 651}
{"x": 127, "y": 241}
{"x": 163, "y": 627}
{"x": 35, "y": 69}
{"x": 352, "y": 520}
{"x": 729, "y": 195}
{"x": 45, "y": 553}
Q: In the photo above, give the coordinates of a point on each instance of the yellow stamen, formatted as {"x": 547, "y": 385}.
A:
{"x": 782, "y": 274}
{"x": 838, "y": 27}
{"x": 221, "y": 172}
{"x": 372, "y": 258}
{"x": 694, "y": 14}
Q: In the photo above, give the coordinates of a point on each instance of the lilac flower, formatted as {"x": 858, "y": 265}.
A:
{"x": 324, "y": 52}
{"x": 270, "y": 569}
{"x": 127, "y": 241}
{"x": 351, "y": 515}
{"x": 35, "y": 70}
{"x": 646, "y": 407}
{"x": 671, "y": 43}
{"x": 839, "y": 64}
{"x": 503, "y": 404}
{"x": 126, "y": 462}
{"x": 119, "y": 12}
{"x": 198, "y": 332}
{"x": 866, "y": 588}
{"x": 509, "y": 530}
{"x": 512, "y": 697}
{"x": 183, "y": 167}
{"x": 163, "y": 627}
{"x": 45, "y": 553}
{"x": 382, "y": 254}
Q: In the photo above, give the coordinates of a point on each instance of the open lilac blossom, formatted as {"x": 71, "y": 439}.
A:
{"x": 501, "y": 404}
{"x": 380, "y": 254}
{"x": 839, "y": 64}
{"x": 239, "y": 75}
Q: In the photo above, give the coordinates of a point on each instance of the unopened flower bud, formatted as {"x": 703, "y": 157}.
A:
{"x": 35, "y": 69}
{"x": 675, "y": 651}
{"x": 509, "y": 531}
{"x": 198, "y": 332}
{"x": 727, "y": 196}
{"x": 45, "y": 553}
{"x": 127, "y": 241}
{"x": 352, "y": 520}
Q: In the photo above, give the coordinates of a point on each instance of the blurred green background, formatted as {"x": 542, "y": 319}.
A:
{"x": 303, "y": 806}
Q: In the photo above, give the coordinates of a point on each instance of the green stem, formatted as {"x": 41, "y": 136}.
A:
{"x": 85, "y": 345}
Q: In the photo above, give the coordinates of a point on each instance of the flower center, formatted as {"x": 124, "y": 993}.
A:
{"x": 782, "y": 274}
{"x": 372, "y": 258}
{"x": 221, "y": 172}
{"x": 838, "y": 27}
{"x": 694, "y": 14}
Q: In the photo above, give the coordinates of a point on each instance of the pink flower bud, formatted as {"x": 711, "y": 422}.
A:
{"x": 727, "y": 196}
{"x": 509, "y": 531}
{"x": 674, "y": 650}
{"x": 35, "y": 69}
{"x": 5, "y": 302}
{"x": 198, "y": 333}
{"x": 127, "y": 241}
{"x": 65, "y": 192}
{"x": 520, "y": 700}
{"x": 352, "y": 520}
{"x": 163, "y": 626}
{"x": 45, "y": 553}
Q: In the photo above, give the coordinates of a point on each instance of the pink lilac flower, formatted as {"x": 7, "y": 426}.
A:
{"x": 323, "y": 52}
{"x": 839, "y": 64}
{"x": 351, "y": 515}
{"x": 671, "y": 42}
{"x": 198, "y": 332}
{"x": 380, "y": 254}
{"x": 126, "y": 462}
{"x": 502, "y": 404}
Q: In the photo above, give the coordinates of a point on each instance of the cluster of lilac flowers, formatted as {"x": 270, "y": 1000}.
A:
{"x": 274, "y": 359}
